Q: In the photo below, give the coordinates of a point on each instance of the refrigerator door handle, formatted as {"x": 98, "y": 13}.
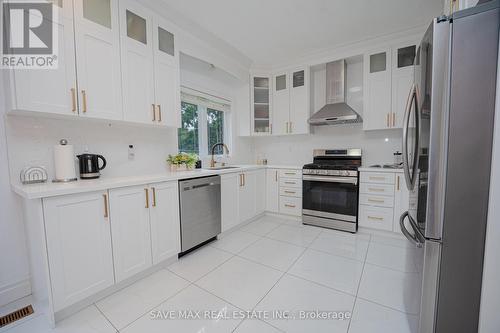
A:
{"x": 410, "y": 175}
{"x": 418, "y": 239}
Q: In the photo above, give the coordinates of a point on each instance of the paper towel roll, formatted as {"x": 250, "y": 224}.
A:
{"x": 64, "y": 162}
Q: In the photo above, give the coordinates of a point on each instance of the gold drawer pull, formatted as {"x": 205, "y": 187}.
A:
{"x": 375, "y": 218}
{"x": 84, "y": 102}
{"x": 159, "y": 113}
{"x": 292, "y": 183}
{"x": 289, "y": 206}
{"x": 387, "y": 121}
{"x": 154, "y": 196}
{"x": 290, "y": 192}
{"x": 377, "y": 178}
{"x": 106, "y": 212}
{"x": 276, "y": 175}
{"x": 73, "y": 100}
{"x": 147, "y": 197}
{"x": 376, "y": 189}
{"x": 376, "y": 200}
{"x": 290, "y": 173}
{"x": 397, "y": 183}
{"x": 154, "y": 111}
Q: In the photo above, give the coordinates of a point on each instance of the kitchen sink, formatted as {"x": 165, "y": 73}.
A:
{"x": 223, "y": 167}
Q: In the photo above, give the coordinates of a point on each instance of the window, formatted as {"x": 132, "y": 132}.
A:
{"x": 204, "y": 122}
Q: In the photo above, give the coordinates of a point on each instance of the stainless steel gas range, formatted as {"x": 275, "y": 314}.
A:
{"x": 330, "y": 188}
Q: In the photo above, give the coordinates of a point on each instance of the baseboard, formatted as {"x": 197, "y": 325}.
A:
{"x": 14, "y": 291}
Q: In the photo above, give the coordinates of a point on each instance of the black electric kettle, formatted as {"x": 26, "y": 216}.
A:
{"x": 89, "y": 165}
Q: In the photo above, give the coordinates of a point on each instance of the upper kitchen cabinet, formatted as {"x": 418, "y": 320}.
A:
{"x": 291, "y": 102}
{"x": 136, "y": 30}
{"x": 388, "y": 76}
{"x": 166, "y": 74}
{"x": 377, "y": 82}
{"x": 261, "y": 106}
{"x": 97, "y": 42}
{"x": 403, "y": 58}
{"x": 30, "y": 90}
{"x": 299, "y": 101}
{"x": 150, "y": 67}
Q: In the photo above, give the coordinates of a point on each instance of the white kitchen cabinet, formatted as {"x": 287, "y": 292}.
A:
{"x": 97, "y": 43}
{"x": 230, "y": 188}
{"x": 165, "y": 221}
{"x": 130, "y": 229}
{"x": 260, "y": 191}
{"x": 79, "y": 251}
{"x": 299, "y": 101}
{"x": 403, "y": 57}
{"x": 261, "y": 104}
{"x": 54, "y": 90}
{"x": 291, "y": 102}
{"x": 166, "y": 74}
{"x": 136, "y": 37}
{"x": 272, "y": 191}
{"x": 377, "y": 90}
{"x": 247, "y": 195}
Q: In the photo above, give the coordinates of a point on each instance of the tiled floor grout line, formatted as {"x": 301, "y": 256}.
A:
{"x": 387, "y": 307}
{"x": 105, "y": 317}
{"x": 359, "y": 284}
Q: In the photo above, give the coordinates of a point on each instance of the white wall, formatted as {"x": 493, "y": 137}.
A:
{"x": 14, "y": 272}
{"x": 489, "y": 321}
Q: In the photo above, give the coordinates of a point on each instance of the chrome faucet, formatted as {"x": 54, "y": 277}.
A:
{"x": 212, "y": 160}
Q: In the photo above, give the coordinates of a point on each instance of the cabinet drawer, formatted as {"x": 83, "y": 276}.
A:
{"x": 375, "y": 217}
{"x": 378, "y": 189}
{"x": 290, "y": 182}
{"x": 377, "y": 177}
{"x": 291, "y": 206}
{"x": 376, "y": 200}
{"x": 291, "y": 192}
{"x": 289, "y": 173}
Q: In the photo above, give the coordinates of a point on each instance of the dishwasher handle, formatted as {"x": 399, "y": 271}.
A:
{"x": 194, "y": 187}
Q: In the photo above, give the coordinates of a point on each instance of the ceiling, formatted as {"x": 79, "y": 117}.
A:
{"x": 272, "y": 31}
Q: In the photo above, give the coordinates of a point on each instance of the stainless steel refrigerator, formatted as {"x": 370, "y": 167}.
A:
{"x": 447, "y": 145}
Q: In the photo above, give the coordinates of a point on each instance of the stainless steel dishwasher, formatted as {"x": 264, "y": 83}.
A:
{"x": 200, "y": 209}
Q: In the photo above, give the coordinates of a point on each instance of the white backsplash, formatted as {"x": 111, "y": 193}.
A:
{"x": 31, "y": 142}
{"x": 377, "y": 147}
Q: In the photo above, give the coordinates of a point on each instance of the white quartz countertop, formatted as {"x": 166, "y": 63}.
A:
{"x": 373, "y": 169}
{"x": 49, "y": 189}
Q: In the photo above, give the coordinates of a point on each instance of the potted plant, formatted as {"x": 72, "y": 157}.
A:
{"x": 182, "y": 161}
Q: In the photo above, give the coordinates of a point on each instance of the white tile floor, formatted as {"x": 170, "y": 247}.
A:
{"x": 269, "y": 265}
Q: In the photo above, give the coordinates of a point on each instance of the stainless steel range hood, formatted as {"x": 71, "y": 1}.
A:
{"x": 336, "y": 111}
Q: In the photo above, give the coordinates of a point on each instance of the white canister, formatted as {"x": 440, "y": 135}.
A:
{"x": 64, "y": 162}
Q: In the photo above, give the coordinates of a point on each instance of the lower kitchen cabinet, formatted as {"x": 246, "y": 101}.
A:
{"x": 130, "y": 229}
{"x": 260, "y": 191}
{"x": 272, "y": 190}
{"x": 230, "y": 184}
{"x": 165, "y": 221}
{"x": 247, "y": 196}
{"x": 79, "y": 251}
{"x": 383, "y": 198}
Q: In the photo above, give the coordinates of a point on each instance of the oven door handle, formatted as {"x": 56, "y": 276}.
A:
{"x": 344, "y": 180}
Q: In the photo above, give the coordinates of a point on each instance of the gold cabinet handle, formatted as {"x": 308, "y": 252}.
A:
{"x": 376, "y": 178}
{"x": 393, "y": 119}
{"x": 159, "y": 113}
{"x": 291, "y": 183}
{"x": 276, "y": 176}
{"x": 84, "y": 101}
{"x": 147, "y": 197}
{"x": 376, "y": 200}
{"x": 241, "y": 179}
{"x": 73, "y": 99}
{"x": 270, "y": 128}
{"x": 376, "y": 189}
{"x": 154, "y": 111}
{"x": 375, "y": 218}
{"x": 289, "y": 206}
{"x": 154, "y": 196}
{"x": 387, "y": 120}
{"x": 106, "y": 212}
{"x": 290, "y": 173}
{"x": 397, "y": 183}
{"x": 244, "y": 180}
{"x": 290, "y": 192}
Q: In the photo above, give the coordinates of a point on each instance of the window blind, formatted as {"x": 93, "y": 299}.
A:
{"x": 189, "y": 95}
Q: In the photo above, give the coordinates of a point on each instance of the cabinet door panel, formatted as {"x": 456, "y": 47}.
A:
{"x": 165, "y": 221}
{"x": 50, "y": 90}
{"x": 78, "y": 246}
{"x": 137, "y": 63}
{"x": 272, "y": 193}
{"x": 281, "y": 104}
{"x": 260, "y": 191}
{"x": 98, "y": 53}
{"x": 247, "y": 197}
{"x": 230, "y": 188}
{"x": 166, "y": 64}
{"x": 299, "y": 101}
{"x": 130, "y": 230}
{"x": 402, "y": 80}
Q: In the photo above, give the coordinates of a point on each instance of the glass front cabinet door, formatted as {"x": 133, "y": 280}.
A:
{"x": 261, "y": 105}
